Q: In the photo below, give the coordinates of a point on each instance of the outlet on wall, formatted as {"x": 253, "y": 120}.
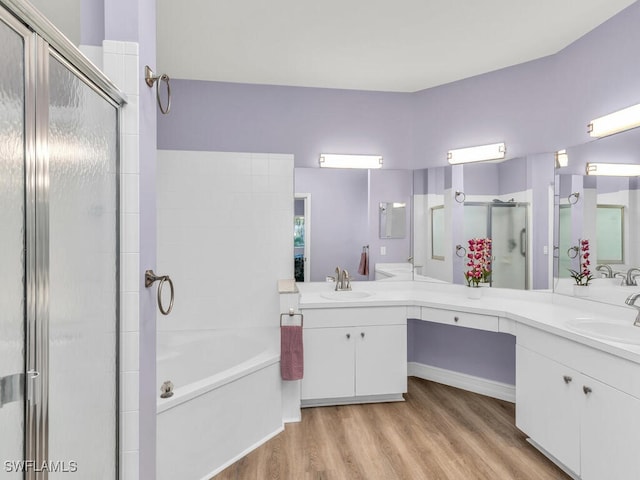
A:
{"x": 383, "y": 250}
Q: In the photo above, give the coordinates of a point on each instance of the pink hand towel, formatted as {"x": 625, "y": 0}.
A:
{"x": 363, "y": 268}
{"x": 291, "y": 352}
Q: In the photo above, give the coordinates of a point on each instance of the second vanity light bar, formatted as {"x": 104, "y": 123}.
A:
{"x": 615, "y": 122}
{"x": 495, "y": 151}
{"x": 613, "y": 169}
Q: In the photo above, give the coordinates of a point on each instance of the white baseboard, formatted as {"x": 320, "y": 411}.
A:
{"x": 245, "y": 452}
{"x": 490, "y": 388}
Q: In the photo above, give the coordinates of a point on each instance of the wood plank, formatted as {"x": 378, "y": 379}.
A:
{"x": 439, "y": 433}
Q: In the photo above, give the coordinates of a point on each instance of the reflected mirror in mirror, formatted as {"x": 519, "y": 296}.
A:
{"x": 392, "y": 219}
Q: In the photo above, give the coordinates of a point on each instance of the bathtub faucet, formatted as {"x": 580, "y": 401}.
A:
{"x": 343, "y": 281}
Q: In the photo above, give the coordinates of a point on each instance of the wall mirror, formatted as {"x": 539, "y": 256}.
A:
{"x": 392, "y": 219}
{"x": 345, "y": 217}
{"x": 497, "y": 200}
{"x": 604, "y": 210}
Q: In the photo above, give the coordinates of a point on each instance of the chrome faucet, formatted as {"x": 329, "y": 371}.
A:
{"x": 631, "y": 301}
{"x": 608, "y": 268}
{"x": 343, "y": 281}
{"x": 631, "y": 278}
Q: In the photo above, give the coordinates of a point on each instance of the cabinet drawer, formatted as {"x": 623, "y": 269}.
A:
{"x": 354, "y": 316}
{"x": 462, "y": 319}
{"x": 614, "y": 371}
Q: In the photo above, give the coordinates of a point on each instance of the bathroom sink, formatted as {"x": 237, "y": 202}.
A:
{"x": 345, "y": 295}
{"x": 615, "y": 332}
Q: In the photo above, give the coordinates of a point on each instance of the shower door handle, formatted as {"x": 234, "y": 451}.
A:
{"x": 523, "y": 242}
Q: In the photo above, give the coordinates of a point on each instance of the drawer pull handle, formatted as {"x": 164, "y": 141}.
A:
{"x": 586, "y": 390}
{"x": 362, "y": 334}
{"x": 455, "y": 319}
{"x": 348, "y": 336}
{"x": 567, "y": 379}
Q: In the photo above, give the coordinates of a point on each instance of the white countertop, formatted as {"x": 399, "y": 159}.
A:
{"x": 539, "y": 309}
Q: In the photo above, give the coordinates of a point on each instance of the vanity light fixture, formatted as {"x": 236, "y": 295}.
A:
{"x": 562, "y": 158}
{"x": 614, "y": 169}
{"x": 495, "y": 151}
{"x": 615, "y": 122}
{"x": 331, "y": 160}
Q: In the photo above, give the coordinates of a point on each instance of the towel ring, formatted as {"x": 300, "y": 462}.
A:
{"x": 459, "y": 194}
{"x": 573, "y": 252}
{"x": 149, "y": 279}
{"x": 575, "y": 196}
{"x": 291, "y": 315}
{"x": 458, "y": 248}
{"x": 150, "y": 78}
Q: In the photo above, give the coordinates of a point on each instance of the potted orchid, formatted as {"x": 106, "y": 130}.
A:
{"x": 582, "y": 276}
{"x": 479, "y": 263}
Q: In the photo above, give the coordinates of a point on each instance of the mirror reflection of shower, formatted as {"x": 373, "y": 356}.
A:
{"x": 505, "y": 222}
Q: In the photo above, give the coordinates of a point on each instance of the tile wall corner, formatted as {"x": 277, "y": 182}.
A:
{"x": 121, "y": 64}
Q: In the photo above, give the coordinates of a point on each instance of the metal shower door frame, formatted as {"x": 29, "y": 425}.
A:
{"x": 41, "y": 42}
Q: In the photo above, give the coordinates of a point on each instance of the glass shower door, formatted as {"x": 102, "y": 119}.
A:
{"x": 83, "y": 269}
{"x": 509, "y": 233}
{"x": 506, "y": 224}
{"x": 12, "y": 251}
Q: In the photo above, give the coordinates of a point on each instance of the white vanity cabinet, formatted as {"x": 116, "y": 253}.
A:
{"x": 354, "y": 355}
{"x": 588, "y": 424}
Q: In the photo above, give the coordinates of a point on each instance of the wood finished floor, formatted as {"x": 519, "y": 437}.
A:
{"x": 440, "y": 432}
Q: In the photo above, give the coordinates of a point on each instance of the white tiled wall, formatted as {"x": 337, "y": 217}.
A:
{"x": 121, "y": 65}
{"x": 225, "y": 236}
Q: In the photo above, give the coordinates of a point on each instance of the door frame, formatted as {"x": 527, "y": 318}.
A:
{"x": 307, "y": 233}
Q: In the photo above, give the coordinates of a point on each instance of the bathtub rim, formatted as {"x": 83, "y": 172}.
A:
{"x": 195, "y": 389}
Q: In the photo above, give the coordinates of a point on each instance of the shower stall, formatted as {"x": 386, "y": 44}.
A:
{"x": 59, "y": 255}
{"x": 506, "y": 223}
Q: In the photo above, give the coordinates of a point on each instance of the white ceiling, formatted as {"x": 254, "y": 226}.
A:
{"x": 386, "y": 45}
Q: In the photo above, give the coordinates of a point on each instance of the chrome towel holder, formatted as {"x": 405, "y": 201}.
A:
{"x": 150, "y": 78}
{"x": 149, "y": 279}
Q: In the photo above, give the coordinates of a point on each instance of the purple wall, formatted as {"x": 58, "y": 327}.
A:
{"x": 482, "y": 354}
{"x": 214, "y": 116}
{"x": 540, "y": 106}
{"x": 92, "y": 22}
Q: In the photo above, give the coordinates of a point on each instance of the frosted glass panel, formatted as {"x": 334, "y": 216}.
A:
{"x": 609, "y": 230}
{"x": 83, "y": 282}
{"x": 12, "y": 234}
{"x": 509, "y": 234}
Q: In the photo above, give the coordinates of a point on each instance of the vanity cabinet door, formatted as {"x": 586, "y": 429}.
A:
{"x": 329, "y": 363}
{"x": 610, "y": 432}
{"x": 381, "y": 359}
{"x": 548, "y": 397}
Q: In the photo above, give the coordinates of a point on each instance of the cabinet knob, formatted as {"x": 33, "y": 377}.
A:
{"x": 348, "y": 336}
{"x": 455, "y": 319}
{"x": 362, "y": 334}
{"x": 567, "y": 379}
{"x": 586, "y": 390}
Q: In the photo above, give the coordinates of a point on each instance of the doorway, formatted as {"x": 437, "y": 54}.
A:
{"x": 59, "y": 327}
{"x": 302, "y": 237}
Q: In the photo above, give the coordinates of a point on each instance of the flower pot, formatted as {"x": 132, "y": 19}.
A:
{"x": 580, "y": 290}
{"x": 474, "y": 292}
